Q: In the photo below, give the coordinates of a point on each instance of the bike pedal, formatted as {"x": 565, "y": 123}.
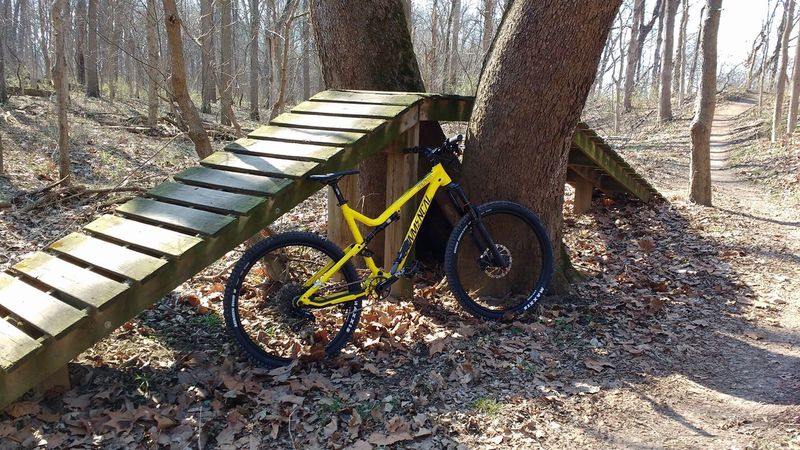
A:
{"x": 410, "y": 270}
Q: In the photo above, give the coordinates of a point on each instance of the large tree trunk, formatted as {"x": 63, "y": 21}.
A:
{"x": 667, "y": 66}
{"x": 178, "y": 75}
{"x": 80, "y": 38}
{"x": 780, "y": 85}
{"x": 633, "y": 45}
{"x": 152, "y": 64}
{"x": 92, "y": 82}
{"x": 791, "y": 123}
{"x": 226, "y": 62}
{"x": 517, "y": 93}
{"x": 352, "y": 59}
{"x": 700, "y": 167}
{"x": 255, "y": 22}
{"x": 62, "y": 91}
{"x": 207, "y": 85}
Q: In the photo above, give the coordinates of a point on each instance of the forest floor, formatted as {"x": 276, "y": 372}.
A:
{"x": 686, "y": 333}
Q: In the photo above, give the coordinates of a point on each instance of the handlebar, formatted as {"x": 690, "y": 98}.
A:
{"x": 449, "y": 146}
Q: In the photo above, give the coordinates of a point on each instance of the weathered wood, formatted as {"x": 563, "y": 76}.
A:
{"x": 286, "y": 150}
{"x": 259, "y": 165}
{"x": 583, "y": 196}
{"x": 85, "y": 286}
{"x": 349, "y": 109}
{"x": 57, "y": 381}
{"x": 211, "y": 199}
{"x": 397, "y": 98}
{"x": 447, "y": 109}
{"x": 339, "y": 123}
{"x": 159, "y": 240}
{"x": 238, "y": 182}
{"x": 46, "y": 313}
{"x": 15, "y": 345}
{"x": 180, "y": 217}
{"x": 306, "y": 135}
{"x": 107, "y": 256}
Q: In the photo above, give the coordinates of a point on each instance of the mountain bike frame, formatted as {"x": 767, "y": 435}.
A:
{"x": 378, "y": 278}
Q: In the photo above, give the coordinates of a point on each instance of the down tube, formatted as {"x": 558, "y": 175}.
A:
{"x": 416, "y": 224}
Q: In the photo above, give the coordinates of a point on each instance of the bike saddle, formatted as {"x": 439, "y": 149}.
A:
{"x": 333, "y": 177}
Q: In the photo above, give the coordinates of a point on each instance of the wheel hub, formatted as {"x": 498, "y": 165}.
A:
{"x": 492, "y": 268}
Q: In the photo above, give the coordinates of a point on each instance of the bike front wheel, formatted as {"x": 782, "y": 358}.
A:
{"x": 494, "y": 288}
{"x": 260, "y": 300}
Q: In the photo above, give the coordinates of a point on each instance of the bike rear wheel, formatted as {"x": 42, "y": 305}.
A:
{"x": 489, "y": 288}
{"x": 259, "y": 300}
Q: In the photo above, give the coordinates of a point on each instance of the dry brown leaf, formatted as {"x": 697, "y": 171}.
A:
{"x": 596, "y": 364}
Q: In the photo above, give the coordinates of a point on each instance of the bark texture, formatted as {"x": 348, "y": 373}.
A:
{"x": 632, "y": 56}
{"x": 791, "y": 123}
{"x": 255, "y": 22}
{"x": 178, "y": 75}
{"x": 504, "y": 158}
{"x": 780, "y": 84}
{"x": 667, "y": 65}
{"x": 226, "y": 62}
{"x": 80, "y": 38}
{"x": 208, "y": 89}
{"x": 62, "y": 91}
{"x": 152, "y": 64}
{"x": 92, "y": 81}
{"x": 700, "y": 166}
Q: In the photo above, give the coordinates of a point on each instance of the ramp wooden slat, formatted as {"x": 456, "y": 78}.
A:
{"x": 180, "y": 217}
{"x": 339, "y": 123}
{"x": 259, "y": 165}
{"x": 285, "y": 150}
{"x": 83, "y": 285}
{"x": 306, "y": 135}
{"x": 360, "y": 97}
{"x": 349, "y": 109}
{"x": 211, "y": 199}
{"x": 15, "y": 345}
{"x": 46, "y": 313}
{"x": 237, "y": 182}
{"x": 107, "y": 256}
{"x": 159, "y": 240}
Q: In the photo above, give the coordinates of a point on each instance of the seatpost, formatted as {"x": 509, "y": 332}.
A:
{"x": 338, "y": 193}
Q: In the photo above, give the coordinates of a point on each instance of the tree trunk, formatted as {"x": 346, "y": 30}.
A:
{"x": 433, "y": 54}
{"x": 644, "y": 31}
{"x": 667, "y": 66}
{"x": 679, "y": 75}
{"x": 255, "y": 22}
{"x": 152, "y": 64}
{"x": 80, "y": 38}
{"x": 352, "y": 58}
{"x": 207, "y": 84}
{"x": 488, "y": 25}
{"x": 92, "y": 82}
{"x": 791, "y": 123}
{"x": 504, "y": 160}
{"x": 633, "y": 45}
{"x": 115, "y": 24}
{"x": 448, "y": 57}
{"x": 780, "y": 85}
{"x": 700, "y": 166}
{"x": 655, "y": 77}
{"x": 44, "y": 29}
{"x": 178, "y": 75}
{"x": 764, "y": 62}
{"x": 455, "y": 41}
{"x": 696, "y": 53}
{"x": 3, "y": 43}
{"x": 307, "y": 55}
{"x": 62, "y": 91}
{"x": 226, "y": 62}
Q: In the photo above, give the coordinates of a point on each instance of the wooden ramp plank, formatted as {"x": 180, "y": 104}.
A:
{"x": 259, "y": 165}
{"x": 396, "y": 98}
{"x": 306, "y": 135}
{"x": 238, "y": 182}
{"x": 212, "y": 199}
{"x": 15, "y": 345}
{"x": 285, "y": 150}
{"x": 111, "y": 257}
{"x": 340, "y": 123}
{"x": 180, "y": 217}
{"x": 349, "y": 109}
{"x": 48, "y": 314}
{"x": 76, "y": 282}
{"x": 159, "y": 240}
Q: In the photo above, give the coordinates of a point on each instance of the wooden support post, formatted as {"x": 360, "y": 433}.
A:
{"x": 401, "y": 174}
{"x": 583, "y": 196}
{"x": 57, "y": 381}
{"x": 337, "y": 228}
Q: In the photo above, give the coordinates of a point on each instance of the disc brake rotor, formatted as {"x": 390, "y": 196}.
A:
{"x": 492, "y": 270}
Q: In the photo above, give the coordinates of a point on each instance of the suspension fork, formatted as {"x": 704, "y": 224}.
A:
{"x": 459, "y": 200}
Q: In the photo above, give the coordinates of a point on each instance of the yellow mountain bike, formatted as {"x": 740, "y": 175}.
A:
{"x": 298, "y": 295}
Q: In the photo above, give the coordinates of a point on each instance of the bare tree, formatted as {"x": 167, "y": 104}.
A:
{"x": 780, "y": 85}
{"x": 503, "y": 159}
{"x": 62, "y": 90}
{"x": 679, "y": 75}
{"x": 306, "y": 61}
{"x": 172, "y": 21}
{"x": 700, "y": 167}
{"x": 207, "y": 84}
{"x": 455, "y": 40}
{"x": 226, "y": 62}
{"x": 80, "y": 38}
{"x": 488, "y": 25}
{"x": 667, "y": 66}
{"x": 115, "y": 24}
{"x": 152, "y": 63}
{"x": 791, "y": 123}
{"x": 693, "y": 70}
{"x": 3, "y": 43}
{"x": 656, "y": 72}
{"x": 632, "y": 61}
{"x": 92, "y": 81}
{"x": 255, "y": 23}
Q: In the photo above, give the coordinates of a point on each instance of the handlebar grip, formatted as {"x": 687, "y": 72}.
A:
{"x": 455, "y": 139}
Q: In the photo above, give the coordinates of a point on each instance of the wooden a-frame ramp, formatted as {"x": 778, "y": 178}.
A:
{"x": 60, "y": 301}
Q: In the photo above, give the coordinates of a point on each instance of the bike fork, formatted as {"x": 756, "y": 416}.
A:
{"x": 462, "y": 204}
